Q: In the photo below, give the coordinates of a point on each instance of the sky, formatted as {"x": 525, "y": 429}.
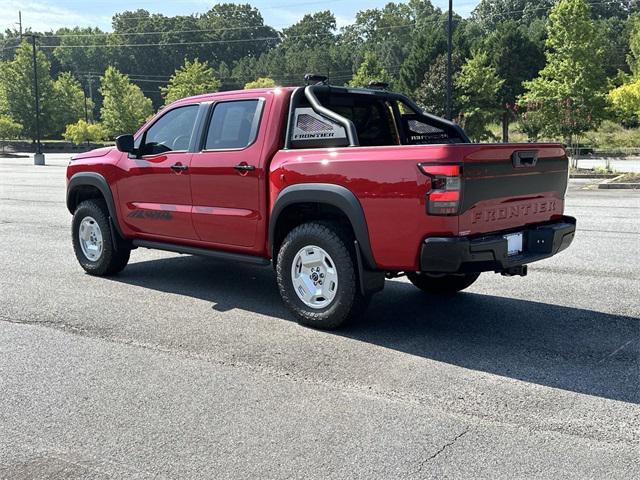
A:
{"x": 48, "y": 15}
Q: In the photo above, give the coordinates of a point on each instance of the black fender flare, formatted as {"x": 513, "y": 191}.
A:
{"x": 96, "y": 180}
{"x": 331, "y": 194}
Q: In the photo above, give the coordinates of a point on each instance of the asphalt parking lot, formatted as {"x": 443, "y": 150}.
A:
{"x": 183, "y": 367}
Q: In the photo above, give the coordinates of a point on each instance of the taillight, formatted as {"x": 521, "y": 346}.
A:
{"x": 444, "y": 196}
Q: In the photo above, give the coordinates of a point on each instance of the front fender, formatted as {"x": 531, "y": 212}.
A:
{"x": 96, "y": 180}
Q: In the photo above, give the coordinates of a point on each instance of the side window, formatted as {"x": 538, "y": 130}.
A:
{"x": 419, "y": 132}
{"x": 233, "y": 124}
{"x": 172, "y": 131}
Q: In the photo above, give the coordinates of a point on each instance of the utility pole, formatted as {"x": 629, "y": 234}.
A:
{"x": 38, "y": 158}
{"x": 86, "y": 111}
{"x": 20, "y": 21}
{"x": 90, "y": 85}
{"x": 449, "y": 60}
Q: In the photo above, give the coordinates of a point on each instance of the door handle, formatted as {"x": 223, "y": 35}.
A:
{"x": 178, "y": 167}
{"x": 244, "y": 167}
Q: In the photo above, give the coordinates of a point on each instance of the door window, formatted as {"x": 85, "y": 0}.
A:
{"x": 233, "y": 124}
{"x": 172, "y": 132}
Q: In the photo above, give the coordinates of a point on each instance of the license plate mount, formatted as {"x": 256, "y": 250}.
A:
{"x": 514, "y": 243}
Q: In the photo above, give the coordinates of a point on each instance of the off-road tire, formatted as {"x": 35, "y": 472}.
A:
{"x": 112, "y": 260}
{"x": 444, "y": 284}
{"x": 348, "y": 303}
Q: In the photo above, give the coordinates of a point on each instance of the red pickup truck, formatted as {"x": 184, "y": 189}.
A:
{"x": 337, "y": 188}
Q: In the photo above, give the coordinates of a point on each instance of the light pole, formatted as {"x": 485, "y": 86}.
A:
{"x": 38, "y": 157}
{"x": 449, "y": 61}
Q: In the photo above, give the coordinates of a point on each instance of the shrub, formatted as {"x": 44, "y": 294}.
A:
{"x": 81, "y": 132}
{"x": 8, "y": 129}
{"x": 261, "y": 82}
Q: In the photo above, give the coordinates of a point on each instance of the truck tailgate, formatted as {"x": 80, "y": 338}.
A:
{"x": 509, "y": 186}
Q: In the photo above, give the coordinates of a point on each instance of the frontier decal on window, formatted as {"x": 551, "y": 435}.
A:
{"x": 308, "y": 125}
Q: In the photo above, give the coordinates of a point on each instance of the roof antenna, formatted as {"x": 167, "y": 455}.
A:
{"x": 313, "y": 79}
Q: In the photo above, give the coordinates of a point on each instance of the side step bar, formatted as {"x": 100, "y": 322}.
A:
{"x": 203, "y": 252}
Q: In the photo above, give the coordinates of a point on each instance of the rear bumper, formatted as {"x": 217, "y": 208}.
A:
{"x": 489, "y": 253}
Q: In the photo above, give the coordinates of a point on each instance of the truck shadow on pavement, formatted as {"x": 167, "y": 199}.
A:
{"x": 569, "y": 348}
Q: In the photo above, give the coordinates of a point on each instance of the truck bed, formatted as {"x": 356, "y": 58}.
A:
{"x": 496, "y": 195}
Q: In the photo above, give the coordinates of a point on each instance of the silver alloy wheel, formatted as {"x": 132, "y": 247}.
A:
{"x": 90, "y": 237}
{"x": 314, "y": 276}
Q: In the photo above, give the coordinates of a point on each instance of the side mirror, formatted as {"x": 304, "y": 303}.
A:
{"x": 125, "y": 143}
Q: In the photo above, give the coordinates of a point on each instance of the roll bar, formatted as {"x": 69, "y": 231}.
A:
{"x": 309, "y": 92}
{"x": 350, "y": 128}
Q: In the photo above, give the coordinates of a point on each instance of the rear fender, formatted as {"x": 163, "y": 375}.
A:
{"x": 330, "y": 194}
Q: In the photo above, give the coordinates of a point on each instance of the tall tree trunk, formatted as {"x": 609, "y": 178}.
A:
{"x": 505, "y": 127}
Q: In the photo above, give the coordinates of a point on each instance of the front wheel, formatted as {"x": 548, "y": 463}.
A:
{"x": 442, "y": 284}
{"x": 317, "y": 277}
{"x": 93, "y": 240}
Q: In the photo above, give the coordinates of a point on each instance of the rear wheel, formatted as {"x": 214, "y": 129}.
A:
{"x": 93, "y": 240}
{"x": 317, "y": 277}
{"x": 442, "y": 284}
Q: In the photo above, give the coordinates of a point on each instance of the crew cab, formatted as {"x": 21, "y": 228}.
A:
{"x": 337, "y": 188}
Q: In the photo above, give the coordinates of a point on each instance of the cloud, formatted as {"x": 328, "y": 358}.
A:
{"x": 342, "y": 21}
{"x": 45, "y": 17}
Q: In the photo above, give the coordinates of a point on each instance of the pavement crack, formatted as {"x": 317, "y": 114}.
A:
{"x": 620, "y": 348}
{"x": 442, "y": 449}
{"x": 50, "y": 324}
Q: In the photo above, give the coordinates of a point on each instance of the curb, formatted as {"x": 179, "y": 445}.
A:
{"x": 608, "y": 184}
{"x": 613, "y": 186}
{"x": 594, "y": 175}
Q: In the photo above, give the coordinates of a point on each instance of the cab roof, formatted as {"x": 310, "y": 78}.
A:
{"x": 232, "y": 93}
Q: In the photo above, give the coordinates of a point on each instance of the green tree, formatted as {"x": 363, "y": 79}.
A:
{"x": 192, "y": 78}
{"x": 633, "y": 59}
{"x": 489, "y": 13}
{"x": 308, "y": 46}
{"x": 4, "y": 101}
{"x": 94, "y": 55}
{"x": 9, "y": 129}
{"x": 516, "y": 60}
{"x": 261, "y": 82}
{"x": 17, "y": 83}
{"x": 428, "y": 40}
{"x": 69, "y": 102}
{"x": 370, "y": 70}
{"x": 81, "y": 132}
{"x": 625, "y": 99}
{"x": 567, "y": 98}
{"x": 478, "y": 85}
{"x": 431, "y": 95}
{"x": 124, "y": 107}
{"x": 238, "y": 31}
{"x": 384, "y": 32}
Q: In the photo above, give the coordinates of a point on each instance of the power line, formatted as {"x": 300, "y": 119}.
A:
{"x": 235, "y": 40}
{"x": 538, "y": 9}
{"x": 248, "y": 27}
{"x": 134, "y": 77}
{"x": 161, "y": 32}
{"x": 157, "y": 32}
{"x": 272, "y": 7}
